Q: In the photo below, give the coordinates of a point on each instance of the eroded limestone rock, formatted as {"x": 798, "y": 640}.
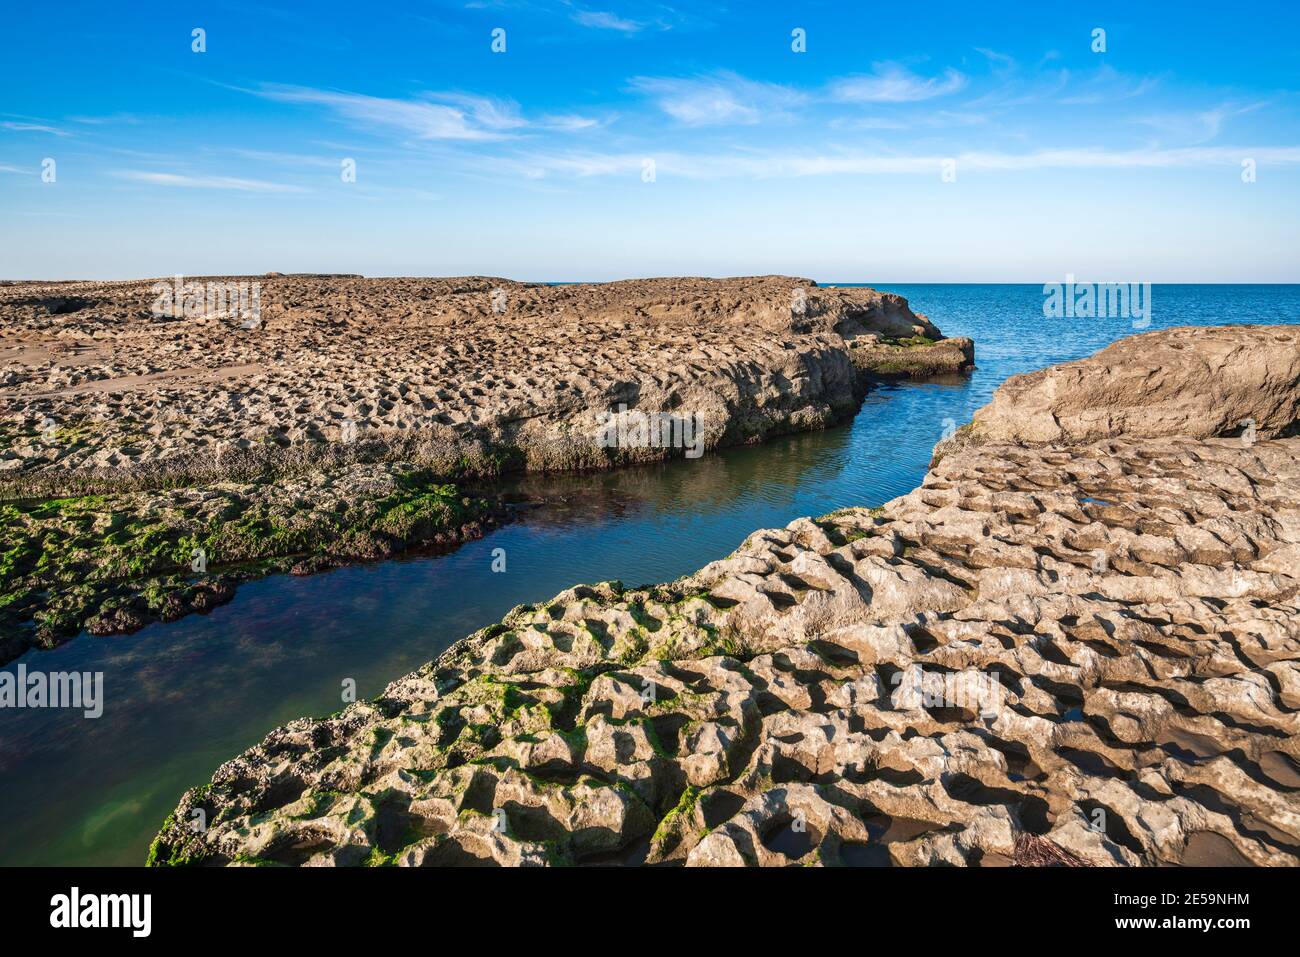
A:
{"x": 1192, "y": 380}
{"x": 1063, "y": 653}
{"x": 466, "y": 375}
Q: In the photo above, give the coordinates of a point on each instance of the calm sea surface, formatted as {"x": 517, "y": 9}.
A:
{"x": 183, "y": 697}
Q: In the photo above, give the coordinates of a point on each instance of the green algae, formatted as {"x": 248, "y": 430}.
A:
{"x": 68, "y": 560}
{"x": 676, "y": 820}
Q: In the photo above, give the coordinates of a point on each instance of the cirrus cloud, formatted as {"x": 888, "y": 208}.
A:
{"x": 602, "y": 20}
{"x": 207, "y": 182}
{"x": 893, "y": 83}
{"x": 432, "y": 116}
{"x": 718, "y": 98}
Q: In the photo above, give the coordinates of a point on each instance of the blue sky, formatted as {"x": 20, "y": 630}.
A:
{"x": 1123, "y": 165}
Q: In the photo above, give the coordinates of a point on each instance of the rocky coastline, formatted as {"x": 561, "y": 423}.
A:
{"x": 163, "y": 441}
{"x": 468, "y": 376}
{"x": 1077, "y": 642}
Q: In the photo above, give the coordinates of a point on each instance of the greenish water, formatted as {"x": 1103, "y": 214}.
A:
{"x": 183, "y": 697}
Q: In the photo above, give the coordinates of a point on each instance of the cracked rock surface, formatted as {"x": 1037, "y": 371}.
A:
{"x": 1081, "y": 653}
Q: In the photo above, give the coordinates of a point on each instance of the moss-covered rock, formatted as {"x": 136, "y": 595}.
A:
{"x": 113, "y": 563}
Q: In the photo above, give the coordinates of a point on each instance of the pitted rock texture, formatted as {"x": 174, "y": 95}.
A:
{"x": 459, "y": 375}
{"x": 1191, "y": 380}
{"x": 804, "y": 701}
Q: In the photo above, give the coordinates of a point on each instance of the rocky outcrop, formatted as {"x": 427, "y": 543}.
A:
{"x": 1069, "y": 653}
{"x": 917, "y": 356}
{"x": 1191, "y": 380}
{"x": 112, "y": 385}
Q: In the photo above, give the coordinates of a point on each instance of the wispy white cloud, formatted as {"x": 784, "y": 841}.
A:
{"x": 452, "y": 116}
{"x": 1039, "y": 86}
{"x": 580, "y": 164}
{"x": 998, "y": 62}
{"x": 717, "y": 99}
{"x": 206, "y": 182}
{"x": 290, "y": 159}
{"x": 726, "y": 98}
{"x": 601, "y": 20}
{"x": 1098, "y": 158}
{"x": 1108, "y": 85}
{"x": 17, "y": 126}
{"x": 1017, "y": 89}
{"x": 893, "y": 83}
{"x": 488, "y": 112}
{"x": 1197, "y": 126}
{"x": 112, "y": 119}
{"x": 433, "y": 116}
{"x": 569, "y": 122}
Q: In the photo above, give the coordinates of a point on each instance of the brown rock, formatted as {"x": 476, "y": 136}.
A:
{"x": 472, "y": 374}
{"x": 1194, "y": 381}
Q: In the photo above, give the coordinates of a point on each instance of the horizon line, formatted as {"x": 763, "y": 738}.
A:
{"x": 1075, "y": 279}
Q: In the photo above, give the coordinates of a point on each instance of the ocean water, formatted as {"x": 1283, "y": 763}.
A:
{"x": 183, "y": 697}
